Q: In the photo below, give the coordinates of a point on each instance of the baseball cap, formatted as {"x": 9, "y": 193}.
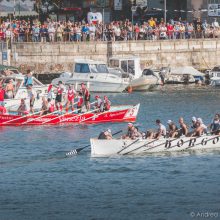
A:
{"x": 169, "y": 122}
{"x": 194, "y": 118}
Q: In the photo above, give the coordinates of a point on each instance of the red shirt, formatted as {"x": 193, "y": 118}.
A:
{"x": 80, "y": 102}
{"x": 2, "y": 95}
{"x": 170, "y": 28}
{"x": 70, "y": 94}
{"x": 59, "y": 91}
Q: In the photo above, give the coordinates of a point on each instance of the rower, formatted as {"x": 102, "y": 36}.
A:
{"x": 172, "y": 130}
{"x": 105, "y": 135}
{"x": 161, "y": 130}
{"x": 44, "y": 108}
{"x": 79, "y": 102}
{"x": 136, "y": 134}
{"x": 194, "y": 122}
{"x": 22, "y": 109}
{"x": 70, "y": 97}
{"x": 58, "y": 99}
{"x": 130, "y": 132}
{"x": 215, "y": 125}
{"x": 200, "y": 129}
{"x": 51, "y": 105}
{"x": 2, "y": 95}
{"x": 98, "y": 104}
{"x": 106, "y": 103}
{"x": 183, "y": 127}
{"x": 86, "y": 96}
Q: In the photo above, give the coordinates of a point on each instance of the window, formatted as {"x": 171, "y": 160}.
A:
{"x": 148, "y": 72}
{"x": 131, "y": 66}
{"x": 114, "y": 63}
{"x": 99, "y": 68}
{"x": 124, "y": 65}
{"x": 82, "y": 68}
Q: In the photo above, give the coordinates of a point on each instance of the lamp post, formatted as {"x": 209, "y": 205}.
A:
{"x": 165, "y": 11}
{"x": 133, "y": 9}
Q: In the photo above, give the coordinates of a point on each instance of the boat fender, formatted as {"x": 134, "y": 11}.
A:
{"x": 130, "y": 90}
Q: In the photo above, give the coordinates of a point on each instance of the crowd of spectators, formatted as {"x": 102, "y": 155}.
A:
{"x": 51, "y": 31}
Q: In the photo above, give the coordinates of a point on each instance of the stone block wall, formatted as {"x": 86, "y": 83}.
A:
{"x": 57, "y": 57}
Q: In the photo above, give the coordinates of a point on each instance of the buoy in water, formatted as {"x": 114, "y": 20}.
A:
{"x": 130, "y": 89}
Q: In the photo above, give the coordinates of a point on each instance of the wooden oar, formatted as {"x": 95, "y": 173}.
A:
{"x": 77, "y": 150}
{"x": 139, "y": 147}
{"x": 33, "y": 119}
{"x": 80, "y": 114}
{"x": 95, "y": 115}
{"x": 160, "y": 144}
{"x": 128, "y": 146}
{"x": 68, "y": 113}
{"x": 15, "y": 119}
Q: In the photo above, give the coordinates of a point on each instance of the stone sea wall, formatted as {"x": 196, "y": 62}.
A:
{"x": 56, "y": 57}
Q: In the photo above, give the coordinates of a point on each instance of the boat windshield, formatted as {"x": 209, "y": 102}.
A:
{"x": 99, "y": 68}
{"x": 216, "y": 69}
{"x": 148, "y": 72}
{"x": 128, "y": 66}
{"x": 82, "y": 68}
{"x": 114, "y": 63}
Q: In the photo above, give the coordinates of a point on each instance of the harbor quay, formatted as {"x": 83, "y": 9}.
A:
{"x": 59, "y": 56}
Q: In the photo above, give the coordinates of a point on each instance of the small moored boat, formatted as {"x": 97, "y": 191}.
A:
{"x": 107, "y": 148}
{"x": 116, "y": 114}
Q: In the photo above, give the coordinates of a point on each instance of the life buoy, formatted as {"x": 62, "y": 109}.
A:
{"x": 3, "y": 110}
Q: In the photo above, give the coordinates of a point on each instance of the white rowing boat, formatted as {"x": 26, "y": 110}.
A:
{"x": 106, "y": 148}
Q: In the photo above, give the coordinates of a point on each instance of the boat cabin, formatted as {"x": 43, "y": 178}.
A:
{"x": 129, "y": 65}
{"x": 90, "y": 66}
{"x": 215, "y": 72}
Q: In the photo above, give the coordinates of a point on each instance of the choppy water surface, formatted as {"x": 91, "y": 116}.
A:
{"x": 38, "y": 182}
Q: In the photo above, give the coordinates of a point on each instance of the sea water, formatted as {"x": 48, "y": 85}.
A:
{"x": 37, "y": 180}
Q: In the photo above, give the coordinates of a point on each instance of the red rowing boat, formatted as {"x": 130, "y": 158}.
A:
{"x": 116, "y": 114}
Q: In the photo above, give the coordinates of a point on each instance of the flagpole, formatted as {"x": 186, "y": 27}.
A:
{"x": 165, "y": 11}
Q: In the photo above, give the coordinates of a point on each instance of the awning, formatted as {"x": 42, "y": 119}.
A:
{"x": 19, "y": 13}
{"x": 188, "y": 70}
{"x": 3, "y": 67}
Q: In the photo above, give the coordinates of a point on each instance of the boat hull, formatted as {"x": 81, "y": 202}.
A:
{"x": 144, "y": 84}
{"x": 107, "y": 148}
{"x": 117, "y": 114}
{"x": 95, "y": 86}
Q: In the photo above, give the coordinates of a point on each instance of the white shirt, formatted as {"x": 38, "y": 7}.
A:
{"x": 162, "y": 129}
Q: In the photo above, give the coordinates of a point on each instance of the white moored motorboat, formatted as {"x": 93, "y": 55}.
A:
{"x": 95, "y": 75}
{"x": 214, "y": 75}
{"x": 20, "y": 91}
{"x": 106, "y": 148}
{"x": 139, "y": 80}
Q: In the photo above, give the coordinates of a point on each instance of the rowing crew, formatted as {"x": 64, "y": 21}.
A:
{"x": 198, "y": 129}
{"x": 49, "y": 106}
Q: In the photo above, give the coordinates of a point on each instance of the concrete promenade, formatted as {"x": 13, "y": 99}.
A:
{"x": 56, "y": 57}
